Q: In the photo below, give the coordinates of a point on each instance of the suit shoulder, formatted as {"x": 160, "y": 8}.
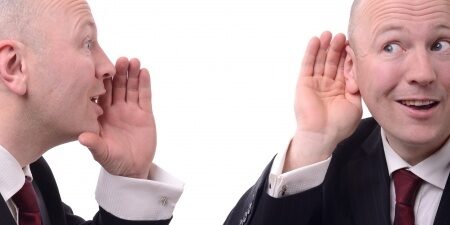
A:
{"x": 367, "y": 129}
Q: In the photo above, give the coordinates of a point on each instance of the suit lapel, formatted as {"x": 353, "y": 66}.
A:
{"x": 369, "y": 183}
{"x": 5, "y": 215}
{"x": 442, "y": 215}
{"x": 43, "y": 178}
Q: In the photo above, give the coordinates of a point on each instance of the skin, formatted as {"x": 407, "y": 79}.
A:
{"x": 400, "y": 52}
{"x": 406, "y": 61}
{"x": 326, "y": 112}
{"x": 46, "y": 93}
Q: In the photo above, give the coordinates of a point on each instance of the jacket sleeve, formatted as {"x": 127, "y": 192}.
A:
{"x": 61, "y": 214}
{"x": 257, "y": 207}
{"x": 104, "y": 218}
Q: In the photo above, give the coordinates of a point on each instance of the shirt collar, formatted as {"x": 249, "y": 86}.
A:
{"x": 12, "y": 176}
{"x": 435, "y": 169}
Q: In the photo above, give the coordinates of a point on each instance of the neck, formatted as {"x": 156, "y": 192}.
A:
{"x": 414, "y": 153}
{"x": 24, "y": 138}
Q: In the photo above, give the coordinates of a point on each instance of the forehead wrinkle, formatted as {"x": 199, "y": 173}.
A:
{"x": 66, "y": 7}
{"x": 78, "y": 9}
{"x": 409, "y": 8}
{"x": 47, "y": 6}
{"x": 368, "y": 5}
{"x": 392, "y": 22}
{"x": 79, "y": 12}
{"x": 376, "y": 13}
{"x": 78, "y": 6}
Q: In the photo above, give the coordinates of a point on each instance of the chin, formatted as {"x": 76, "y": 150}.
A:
{"x": 431, "y": 139}
{"x": 92, "y": 128}
{"x": 95, "y": 128}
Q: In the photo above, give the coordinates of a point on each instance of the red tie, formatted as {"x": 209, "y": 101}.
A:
{"x": 406, "y": 187}
{"x": 26, "y": 202}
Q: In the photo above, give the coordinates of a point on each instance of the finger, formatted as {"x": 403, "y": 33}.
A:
{"x": 105, "y": 100}
{"x": 310, "y": 57}
{"x": 133, "y": 81}
{"x": 319, "y": 65}
{"x": 145, "y": 92}
{"x": 120, "y": 80}
{"x": 333, "y": 58}
{"x": 96, "y": 145}
{"x": 340, "y": 69}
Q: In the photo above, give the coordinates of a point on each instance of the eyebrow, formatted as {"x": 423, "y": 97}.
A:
{"x": 442, "y": 27}
{"x": 82, "y": 23}
{"x": 389, "y": 28}
{"x": 393, "y": 27}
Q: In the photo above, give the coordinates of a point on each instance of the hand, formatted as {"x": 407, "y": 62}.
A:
{"x": 126, "y": 143}
{"x": 326, "y": 112}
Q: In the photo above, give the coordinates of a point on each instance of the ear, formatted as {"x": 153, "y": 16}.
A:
{"x": 12, "y": 66}
{"x": 350, "y": 71}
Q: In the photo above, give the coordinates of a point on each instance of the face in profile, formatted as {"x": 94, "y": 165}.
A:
{"x": 401, "y": 64}
{"x": 67, "y": 69}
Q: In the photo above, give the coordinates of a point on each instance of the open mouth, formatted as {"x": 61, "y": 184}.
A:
{"x": 419, "y": 104}
{"x": 94, "y": 99}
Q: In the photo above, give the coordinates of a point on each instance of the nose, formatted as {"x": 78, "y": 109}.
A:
{"x": 104, "y": 68}
{"x": 421, "y": 70}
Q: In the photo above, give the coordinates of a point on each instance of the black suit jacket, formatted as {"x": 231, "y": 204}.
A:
{"x": 59, "y": 213}
{"x": 355, "y": 190}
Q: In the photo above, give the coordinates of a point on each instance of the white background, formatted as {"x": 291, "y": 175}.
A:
{"x": 223, "y": 79}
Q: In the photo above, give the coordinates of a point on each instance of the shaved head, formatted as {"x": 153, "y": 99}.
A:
{"x": 17, "y": 20}
{"x": 352, "y": 21}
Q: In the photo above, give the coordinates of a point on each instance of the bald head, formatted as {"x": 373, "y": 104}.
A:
{"x": 366, "y": 15}
{"x": 352, "y": 21}
{"x": 17, "y": 20}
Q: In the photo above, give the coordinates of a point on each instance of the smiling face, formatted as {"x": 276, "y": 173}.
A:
{"x": 67, "y": 68}
{"x": 401, "y": 65}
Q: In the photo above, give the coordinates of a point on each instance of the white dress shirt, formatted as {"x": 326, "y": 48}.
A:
{"x": 434, "y": 170}
{"x": 126, "y": 198}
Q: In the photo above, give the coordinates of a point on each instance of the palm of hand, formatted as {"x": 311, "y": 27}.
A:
{"x": 323, "y": 105}
{"x": 126, "y": 143}
{"x": 129, "y": 132}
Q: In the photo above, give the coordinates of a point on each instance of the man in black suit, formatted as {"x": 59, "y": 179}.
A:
{"x": 389, "y": 169}
{"x": 57, "y": 85}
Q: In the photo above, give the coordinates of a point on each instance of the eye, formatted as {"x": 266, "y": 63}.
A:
{"x": 88, "y": 44}
{"x": 440, "y": 46}
{"x": 392, "y": 48}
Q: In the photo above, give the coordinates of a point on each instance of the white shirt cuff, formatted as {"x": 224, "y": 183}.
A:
{"x": 139, "y": 199}
{"x": 295, "y": 181}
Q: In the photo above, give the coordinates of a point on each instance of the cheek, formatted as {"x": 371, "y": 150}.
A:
{"x": 443, "y": 73}
{"x": 376, "y": 80}
{"x": 65, "y": 93}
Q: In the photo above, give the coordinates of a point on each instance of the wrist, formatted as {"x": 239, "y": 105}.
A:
{"x": 307, "y": 148}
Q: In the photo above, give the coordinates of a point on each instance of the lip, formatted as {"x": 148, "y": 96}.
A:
{"x": 101, "y": 93}
{"x": 419, "y": 114}
{"x": 97, "y": 108}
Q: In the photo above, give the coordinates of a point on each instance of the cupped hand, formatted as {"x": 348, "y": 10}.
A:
{"x": 126, "y": 143}
{"x": 326, "y": 112}
{"x": 322, "y": 103}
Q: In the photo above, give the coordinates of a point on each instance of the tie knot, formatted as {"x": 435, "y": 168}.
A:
{"x": 406, "y": 185}
{"x": 25, "y": 199}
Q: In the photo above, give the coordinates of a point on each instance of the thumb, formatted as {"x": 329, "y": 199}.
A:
{"x": 96, "y": 145}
